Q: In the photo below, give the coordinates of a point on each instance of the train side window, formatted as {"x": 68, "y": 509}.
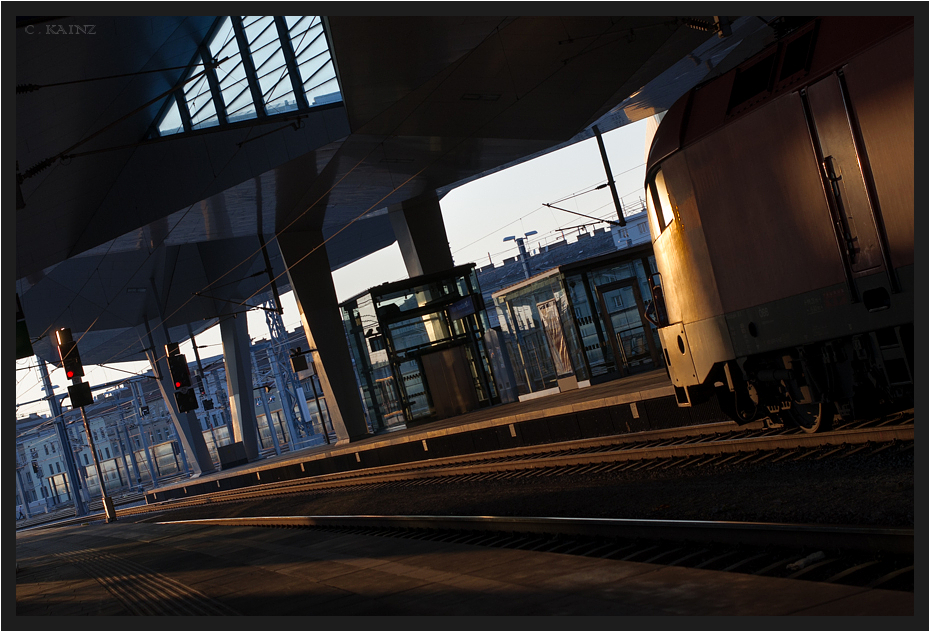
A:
{"x": 661, "y": 212}
{"x": 751, "y": 82}
{"x": 797, "y": 56}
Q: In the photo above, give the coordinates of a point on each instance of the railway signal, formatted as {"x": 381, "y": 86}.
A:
{"x": 184, "y": 393}
{"x": 68, "y": 352}
{"x": 81, "y": 396}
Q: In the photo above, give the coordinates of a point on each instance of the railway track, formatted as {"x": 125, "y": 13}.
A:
{"x": 691, "y": 447}
{"x": 685, "y": 447}
{"x": 859, "y": 556}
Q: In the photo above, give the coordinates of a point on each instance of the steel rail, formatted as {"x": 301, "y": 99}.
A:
{"x": 700, "y": 433}
{"x": 655, "y": 446}
{"x": 849, "y": 538}
{"x": 487, "y": 464}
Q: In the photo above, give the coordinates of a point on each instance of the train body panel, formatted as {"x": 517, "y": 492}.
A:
{"x": 889, "y": 139}
{"x": 781, "y": 209}
{"x": 682, "y": 249}
{"x": 768, "y": 230}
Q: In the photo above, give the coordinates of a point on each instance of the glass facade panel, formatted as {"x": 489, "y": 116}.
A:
{"x": 588, "y": 327}
{"x": 540, "y": 334}
{"x": 393, "y": 329}
{"x": 623, "y": 314}
{"x": 585, "y": 329}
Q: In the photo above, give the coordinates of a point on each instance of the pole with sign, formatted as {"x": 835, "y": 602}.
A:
{"x": 80, "y": 395}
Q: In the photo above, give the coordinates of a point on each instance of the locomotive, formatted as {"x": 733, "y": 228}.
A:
{"x": 781, "y": 207}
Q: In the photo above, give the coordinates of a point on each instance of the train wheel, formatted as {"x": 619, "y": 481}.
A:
{"x": 811, "y": 418}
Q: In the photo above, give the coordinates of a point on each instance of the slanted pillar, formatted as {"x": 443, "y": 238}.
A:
{"x": 311, "y": 280}
{"x": 238, "y": 358}
{"x": 421, "y": 235}
{"x": 186, "y": 424}
{"x": 80, "y": 509}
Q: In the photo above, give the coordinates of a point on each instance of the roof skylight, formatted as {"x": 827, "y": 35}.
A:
{"x": 260, "y": 73}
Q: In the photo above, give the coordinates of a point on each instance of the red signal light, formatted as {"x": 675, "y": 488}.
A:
{"x": 177, "y": 385}
{"x": 70, "y": 374}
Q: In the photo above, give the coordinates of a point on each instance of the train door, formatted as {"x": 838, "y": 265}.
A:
{"x": 630, "y": 334}
{"x": 841, "y": 154}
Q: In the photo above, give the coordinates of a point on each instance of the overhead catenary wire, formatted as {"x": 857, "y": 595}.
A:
{"x": 313, "y": 205}
{"x": 297, "y": 218}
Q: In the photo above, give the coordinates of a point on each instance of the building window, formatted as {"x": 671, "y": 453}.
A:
{"x": 53, "y": 447}
{"x": 58, "y": 466}
{"x": 642, "y": 228}
{"x": 86, "y": 462}
{"x": 108, "y": 452}
{"x": 51, "y": 471}
{"x": 46, "y": 449}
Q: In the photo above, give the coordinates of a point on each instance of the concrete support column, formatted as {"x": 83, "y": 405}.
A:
{"x": 186, "y": 424}
{"x": 421, "y": 235}
{"x": 238, "y": 359}
{"x": 312, "y": 282}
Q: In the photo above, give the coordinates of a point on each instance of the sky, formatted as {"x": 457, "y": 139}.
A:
{"x": 478, "y": 216}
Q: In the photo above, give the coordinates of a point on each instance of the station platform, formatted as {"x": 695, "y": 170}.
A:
{"x": 143, "y": 568}
{"x": 633, "y": 404}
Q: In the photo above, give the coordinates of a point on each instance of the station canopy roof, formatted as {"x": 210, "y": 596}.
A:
{"x": 155, "y": 154}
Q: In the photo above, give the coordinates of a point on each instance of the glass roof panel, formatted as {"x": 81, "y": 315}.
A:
{"x": 171, "y": 122}
{"x": 230, "y": 75}
{"x": 200, "y": 99}
{"x": 311, "y": 56}
{"x": 314, "y": 61}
